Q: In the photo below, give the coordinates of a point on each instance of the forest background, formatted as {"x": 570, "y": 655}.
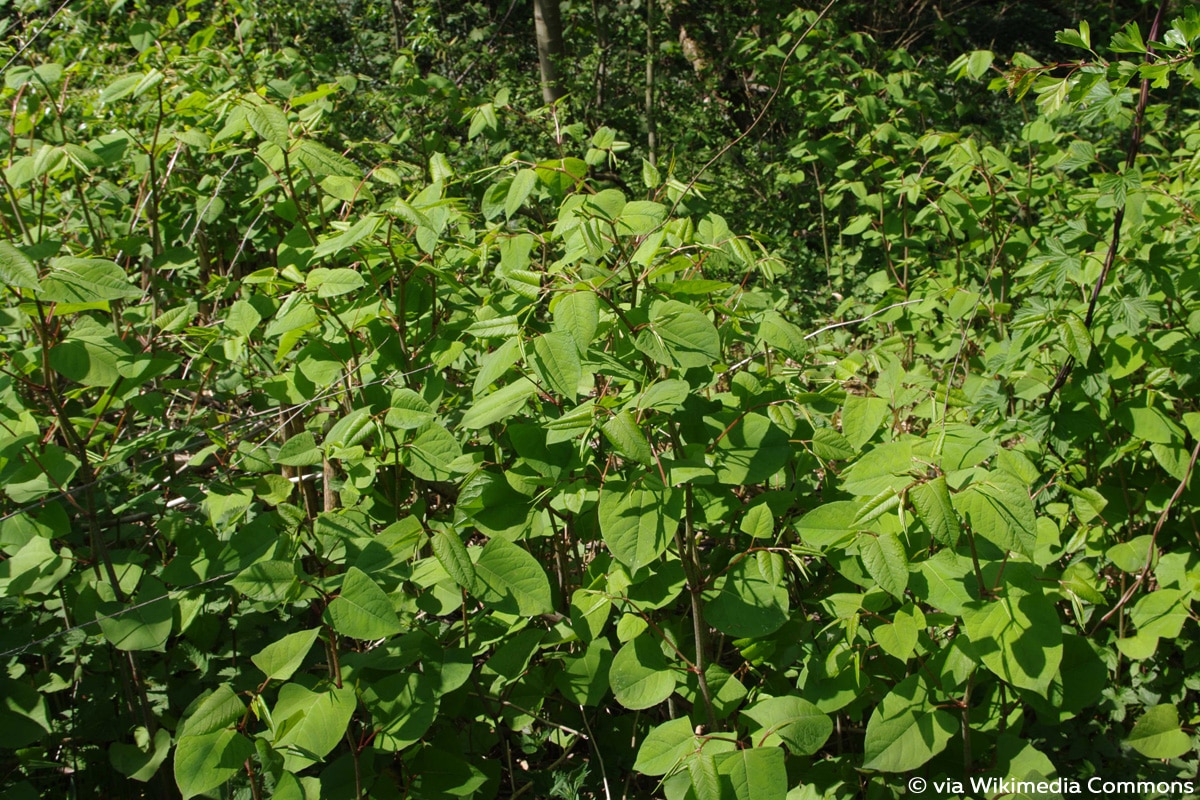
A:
{"x": 590, "y": 400}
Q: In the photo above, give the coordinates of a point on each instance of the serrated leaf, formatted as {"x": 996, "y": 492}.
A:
{"x": 1076, "y": 338}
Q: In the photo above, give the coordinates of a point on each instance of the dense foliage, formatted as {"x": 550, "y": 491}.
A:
{"x": 371, "y": 429}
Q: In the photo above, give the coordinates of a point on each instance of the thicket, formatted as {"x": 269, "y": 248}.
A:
{"x": 371, "y": 429}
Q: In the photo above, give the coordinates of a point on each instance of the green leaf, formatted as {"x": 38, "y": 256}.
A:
{"x": 931, "y": 500}
{"x": 637, "y": 523}
{"x": 24, "y": 717}
{"x": 906, "y": 730}
{"x": 213, "y": 712}
{"x": 884, "y": 465}
{"x": 300, "y": 451}
{"x": 1131, "y": 556}
{"x": 948, "y": 582}
{"x": 431, "y": 454}
{"x": 861, "y": 417}
{"x": 1160, "y": 613}
{"x": 270, "y": 123}
{"x": 280, "y": 660}
{"x": 86, "y": 280}
{"x": 650, "y": 177}
{"x": 308, "y": 724}
{"x": 1076, "y": 338}
{"x": 204, "y": 763}
{"x": 1018, "y": 637}
{"x": 626, "y": 436}
{"x": 758, "y": 773}
{"x": 680, "y": 336}
{"x": 752, "y": 451}
{"x": 349, "y": 431}
{"x": 666, "y": 747}
{"x": 899, "y": 637}
{"x": 1149, "y": 424}
{"x": 782, "y": 335}
{"x": 89, "y": 359}
{"x": 518, "y": 191}
{"x": 266, "y": 581}
{"x": 999, "y": 509}
{"x": 828, "y": 525}
{"x": 885, "y": 560}
{"x": 141, "y": 765}
{"x": 640, "y": 217}
{"x": 334, "y": 282}
{"x": 799, "y": 724}
{"x": 144, "y": 624}
{"x": 747, "y": 603}
{"x": 556, "y": 359}
{"x": 640, "y": 676}
{"x": 512, "y": 581}
{"x": 830, "y": 445}
{"x": 362, "y": 610}
{"x": 16, "y": 269}
{"x": 346, "y": 239}
{"x": 584, "y": 680}
{"x": 758, "y": 522}
{"x": 499, "y": 405}
{"x": 1157, "y": 733}
{"x": 577, "y": 313}
{"x": 454, "y": 558}
{"x": 408, "y": 411}
{"x": 322, "y": 161}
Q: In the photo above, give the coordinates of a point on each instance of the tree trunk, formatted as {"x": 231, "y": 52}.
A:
{"x": 548, "y": 25}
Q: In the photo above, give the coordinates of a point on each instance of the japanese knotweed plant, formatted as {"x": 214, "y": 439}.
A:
{"x": 492, "y": 483}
